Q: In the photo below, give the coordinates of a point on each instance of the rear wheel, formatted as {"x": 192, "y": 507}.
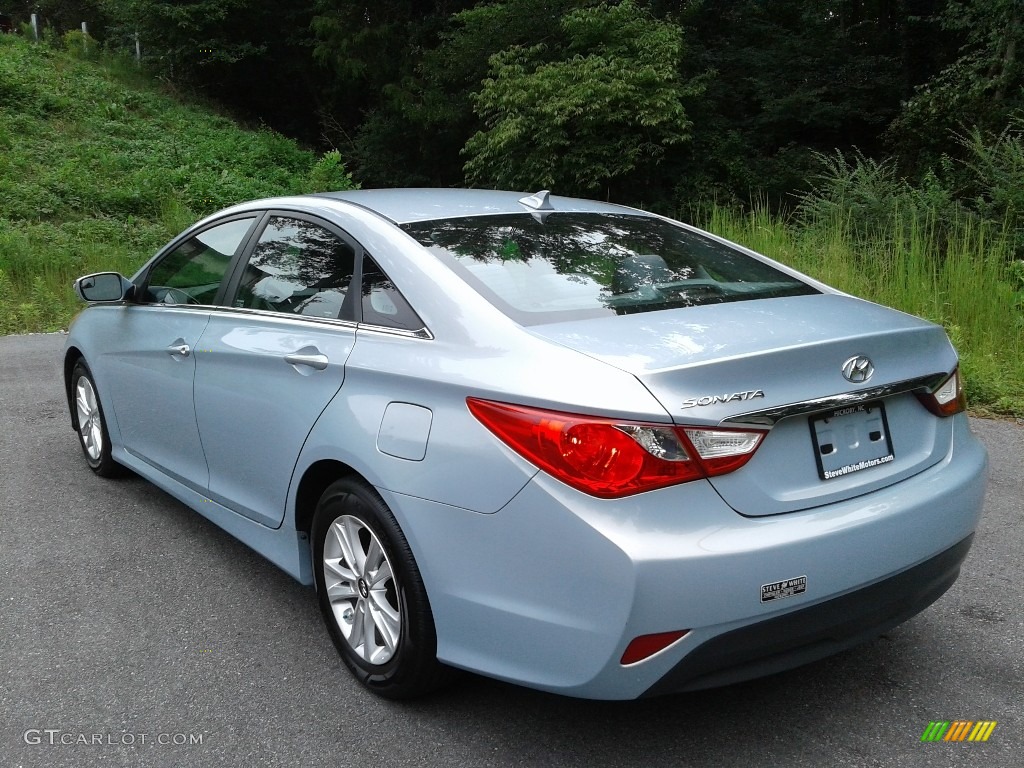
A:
{"x": 371, "y": 594}
{"x": 92, "y": 427}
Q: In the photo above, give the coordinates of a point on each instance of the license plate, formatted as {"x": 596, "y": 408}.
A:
{"x": 851, "y": 439}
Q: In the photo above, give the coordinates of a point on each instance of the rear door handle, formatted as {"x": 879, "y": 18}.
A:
{"x": 317, "y": 362}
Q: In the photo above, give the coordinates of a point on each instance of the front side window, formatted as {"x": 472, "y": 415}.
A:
{"x": 193, "y": 271}
{"x": 298, "y": 268}
{"x": 567, "y": 266}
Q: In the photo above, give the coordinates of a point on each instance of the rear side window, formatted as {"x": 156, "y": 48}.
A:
{"x": 560, "y": 266}
{"x": 298, "y": 267}
{"x": 382, "y": 303}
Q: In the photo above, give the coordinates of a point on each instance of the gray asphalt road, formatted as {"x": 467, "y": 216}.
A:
{"x": 126, "y": 620}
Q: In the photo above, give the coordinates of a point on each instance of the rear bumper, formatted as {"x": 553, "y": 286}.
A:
{"x": 550, "y": 590}
{"x": 816, "y": 632}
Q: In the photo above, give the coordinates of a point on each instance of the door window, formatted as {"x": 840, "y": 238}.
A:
{"x": 193, "y": 271}
{"x": 298, "y": 267}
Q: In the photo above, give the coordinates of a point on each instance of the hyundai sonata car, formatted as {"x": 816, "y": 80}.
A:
{"x": 563, "y": 443}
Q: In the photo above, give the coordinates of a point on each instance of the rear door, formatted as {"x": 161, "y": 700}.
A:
{"x": 271, "y": 359}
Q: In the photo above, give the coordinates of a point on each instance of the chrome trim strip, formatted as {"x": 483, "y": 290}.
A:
{"x": 771, "y": 416}
{"x": 285, "y": 316}
{"x": 423, "y": 333}
{"x": 157, "y": 306}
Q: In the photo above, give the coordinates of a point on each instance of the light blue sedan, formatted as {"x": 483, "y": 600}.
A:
{"x": 567, "y": 444}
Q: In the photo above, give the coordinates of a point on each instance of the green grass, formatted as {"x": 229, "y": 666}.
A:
{"x": 962, "y": 277}
{"x": 99, "y": 168}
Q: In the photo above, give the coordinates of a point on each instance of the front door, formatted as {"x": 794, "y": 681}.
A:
{"x": 154, "y": 370}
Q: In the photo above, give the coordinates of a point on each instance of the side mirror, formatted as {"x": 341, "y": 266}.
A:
{"x": 104, "y": 286}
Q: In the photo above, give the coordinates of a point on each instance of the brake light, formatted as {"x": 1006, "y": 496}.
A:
{"x": 611, "y": 458}
{"x": 948, "y": 399}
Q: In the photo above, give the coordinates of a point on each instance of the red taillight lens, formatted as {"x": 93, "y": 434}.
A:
{"x": 611, "y": 458}
{"x": 948, "y": 399}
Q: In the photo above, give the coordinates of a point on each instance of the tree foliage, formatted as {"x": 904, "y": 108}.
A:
{"x": 661, "y": 103}
{"x": 983, "y": 87}
{"x": 186, "y": 36}
{"x": 601, "y": 98}
{"x": 791, "y": 80}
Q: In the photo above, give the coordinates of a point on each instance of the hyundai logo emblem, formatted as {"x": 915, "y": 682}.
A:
{"x": 858, "y": 369}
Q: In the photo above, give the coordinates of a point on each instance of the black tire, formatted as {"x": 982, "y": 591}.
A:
{"x": 91, "y": 424}
{"x": 382, "y": 625}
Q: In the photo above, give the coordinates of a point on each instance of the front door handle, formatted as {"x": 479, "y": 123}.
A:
{"x": 182, "y": 350}
{"x": 317, "y": 362}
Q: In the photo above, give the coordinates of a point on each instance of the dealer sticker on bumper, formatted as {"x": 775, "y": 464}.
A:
{"x": 785, "y": 588}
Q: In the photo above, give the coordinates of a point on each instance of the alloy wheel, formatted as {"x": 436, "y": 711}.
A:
{"x": 90, "y": 421}
{"x": 360, "y": 585}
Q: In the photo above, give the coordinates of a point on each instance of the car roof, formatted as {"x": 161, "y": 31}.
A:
{"x": 403, "y": 206}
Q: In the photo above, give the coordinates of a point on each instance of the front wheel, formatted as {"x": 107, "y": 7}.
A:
{"x": 371, "y": 595}
{"x": 92, "y": 427}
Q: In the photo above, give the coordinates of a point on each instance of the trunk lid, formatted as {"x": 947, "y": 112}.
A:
{"x": 719, "y": 363}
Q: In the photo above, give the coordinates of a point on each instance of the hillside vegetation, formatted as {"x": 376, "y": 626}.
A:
{"x": 99, "y": 168}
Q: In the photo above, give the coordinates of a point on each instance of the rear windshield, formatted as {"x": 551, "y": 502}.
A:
{"x": 548, "y": 267}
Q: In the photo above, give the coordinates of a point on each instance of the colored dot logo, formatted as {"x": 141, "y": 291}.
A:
{"x": 958, "y": 730}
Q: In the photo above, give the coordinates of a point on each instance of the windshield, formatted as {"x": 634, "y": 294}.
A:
{"x": 547, "y": 267}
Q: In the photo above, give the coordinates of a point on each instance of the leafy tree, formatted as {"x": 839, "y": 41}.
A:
{"x": 598, "y": 101}
{"x": 791, "y": 80}
{"x": 414, "y": 134}
{"x": 181, "y": 38}
{"x": 370, "y": 51}
{"x": 982, "y": 88}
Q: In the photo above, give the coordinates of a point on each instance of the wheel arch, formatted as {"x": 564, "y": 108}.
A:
{"x": 315, "y": 480}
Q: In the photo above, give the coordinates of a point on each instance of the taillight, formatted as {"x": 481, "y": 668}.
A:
{"x": 611, "y": 458}
{"x": 948, "y": 398}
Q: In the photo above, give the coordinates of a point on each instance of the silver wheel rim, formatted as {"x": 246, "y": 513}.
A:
{"x": 362, "y": 590}
{"x": 90, "y": 423}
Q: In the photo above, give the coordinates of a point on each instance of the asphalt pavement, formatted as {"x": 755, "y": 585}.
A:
{"x": 133, "y": 632}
